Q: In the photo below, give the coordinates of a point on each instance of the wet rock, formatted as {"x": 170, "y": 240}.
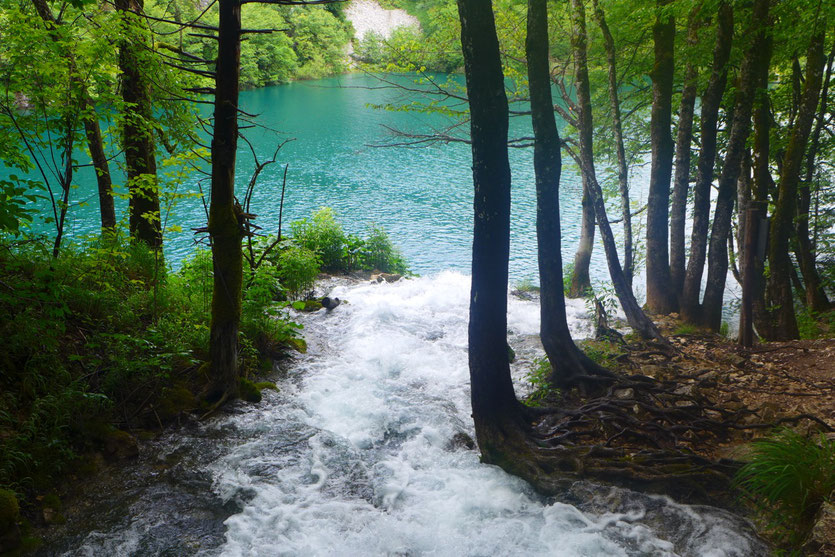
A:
{"x": 120, "y": 445}
{"x": 822, "y": 540}
{"x": 9, "y": 515}
{"x": 460, "y": 441}
{"x": 624, "y": 394}
{"x": 330, "y": 303}
{"x": 249, "y": 391}
{"x": 387, "y": 277}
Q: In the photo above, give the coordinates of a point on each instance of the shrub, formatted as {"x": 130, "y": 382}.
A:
{"x": 539, "y": 378}
{"x": 298, "y": 268}
{"x": 789, "y": 478}
{"x": 379, "y": 253}
{"x": 324, "y": 236}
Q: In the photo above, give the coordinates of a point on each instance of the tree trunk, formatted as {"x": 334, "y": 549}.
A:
{"x": 681, "y": 183}
{"x": 496, "y": 412}
{"x": 711, "y": 99}
{"x": 816, "y": 298}
{"x": 634, "y": 315}
{"x": 567, "y": 361}
{"x": 734, "y": 154}
{"x": 580, "y": 276}
{"x": 92, "y": 131}
{"x": 137, "y": 133}
{"x": 760, "y": 184}
{"x": 224, "y": 213}
{"x": 617, "y": 130}
{"x": 780, "y": 266}
{"x": 660, "y": 297}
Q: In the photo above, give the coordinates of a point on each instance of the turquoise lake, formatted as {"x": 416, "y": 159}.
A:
{"x": 421, "y": 195}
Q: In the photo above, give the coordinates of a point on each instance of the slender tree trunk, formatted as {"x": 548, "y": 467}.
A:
{"x": 634, "y": 315}
{"x": 660, "y": 297}
{"x": 760, "y": 184}
{"x": 780, "y": 265}
{"x": 567, "y": 361}
{"x": 224, "y": 213}
{"x": 681, "y": 182}
{"x": 734, "y": 154}
{"x": 496, "y": 412}
{"x": 711, "y": 99}
{"x": 816, "y": 298}
{"x": 92, "y": 131}
{"x": 617, "y": 130}
{"x": 580, "y": 276}
{"x": 137, "y": 133}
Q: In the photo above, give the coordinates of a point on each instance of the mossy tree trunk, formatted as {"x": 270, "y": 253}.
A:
{"x": 661, "y": 298}
{"x": 689, "y": 301}
{"x": 567, "y": 361}
{"x": 496, "y": 412}
{"x": 224, "y": 226}
{"x": 137, "y": 130}
{"x": 580, "y": 285}
{"x": 784, "y": 322}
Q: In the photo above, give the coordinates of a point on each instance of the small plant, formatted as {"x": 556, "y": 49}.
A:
{"x": 807, "y": 323}
{"x": 298, "y": 268}
{"x": 788, "y": 479}
{"x": 378, "y": 253}
{"x": 526, "y": 285}
{"x": 539, "y": 379}
{"x": 600, "y": 352}
{"x": 724, "y": 329}
{"x": 567, "y": 273}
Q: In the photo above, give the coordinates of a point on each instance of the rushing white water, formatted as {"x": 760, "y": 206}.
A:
{"x": 357, "y": 455}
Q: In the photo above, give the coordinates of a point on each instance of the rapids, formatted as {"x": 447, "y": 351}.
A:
{"x": 357, "y": 455}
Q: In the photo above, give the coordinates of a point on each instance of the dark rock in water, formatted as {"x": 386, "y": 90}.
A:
{"x": 511, "y": 354}
{"x": 460, "y": 441}
{"x": 330, "y": 303}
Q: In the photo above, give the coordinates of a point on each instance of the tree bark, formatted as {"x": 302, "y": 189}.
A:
{"x": 568, "y": 362}
{"x": 617, "y": 130}
{"x": 634, "y": 315}
{"x": 660, "y": 297}
{"x": 224, "y": 213}
{"x": 734, "y": 154}
{"x": 580, "y": 275}
{"x": 780, "y": 266}
{"x": 496, "y": 412}
{"x": 711, "y": 99}
{"x": 816, "y": 298}
{"x": 681, "y": 182}
{"x": 137, "y": 134}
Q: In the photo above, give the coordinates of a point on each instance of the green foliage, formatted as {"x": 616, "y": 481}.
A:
{"x": 686, "y": 329}
{"x": 298, "y": 268}
{"x": 324, "y": 236}
{"x": 788, "y": 478}
{"x": 724, "y": 329}
{"x": 600, "y": 352}
{"x": 378, "y": 252}
{"x": 539, "y": 378}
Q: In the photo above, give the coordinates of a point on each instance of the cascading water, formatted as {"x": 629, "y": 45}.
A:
{"x": 363, "y": 452}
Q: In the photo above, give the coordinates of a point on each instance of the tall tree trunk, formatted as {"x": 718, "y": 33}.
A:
{"x": 711, "y": 99}
{"x": 567, "y": 361}
{"x": 660, "y": 297}
{"x": 681, "y": 182}
{"x": 816, "y": 298}
{"x": 92, "y": 131}
{"x": 137, "y": 133}
{"x": 496, "y": 412}
{"x": 734, "y": 154}
{"x": 760, "y": 185}
{"x": 617, "y": 130}
{"x": 224, "y": 213}
{"x": 580, "y": 276}
{"x": 634, "y": 315}
{"x": 780, "y": 265}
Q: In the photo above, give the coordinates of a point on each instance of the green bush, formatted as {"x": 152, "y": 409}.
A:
{"x": 379, "y": 253}
{"x": 539, "y": 379}
{"x": 298, "y": 268}
{"x": 789, "y": 477}
{"x": 324, "y": 236}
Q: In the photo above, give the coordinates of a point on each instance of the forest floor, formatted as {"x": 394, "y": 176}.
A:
{"x": 771, "y": 384}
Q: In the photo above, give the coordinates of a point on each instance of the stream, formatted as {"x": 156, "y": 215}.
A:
{"x": 363, "y": 451}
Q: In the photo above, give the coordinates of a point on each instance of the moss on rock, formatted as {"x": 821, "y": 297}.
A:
{"x": 249, "y": 391}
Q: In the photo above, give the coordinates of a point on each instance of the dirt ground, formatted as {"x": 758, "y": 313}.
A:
{"x": 779, "y": 381}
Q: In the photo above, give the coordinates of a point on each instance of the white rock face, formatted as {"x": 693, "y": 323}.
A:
{"x": 368, "y": 15}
